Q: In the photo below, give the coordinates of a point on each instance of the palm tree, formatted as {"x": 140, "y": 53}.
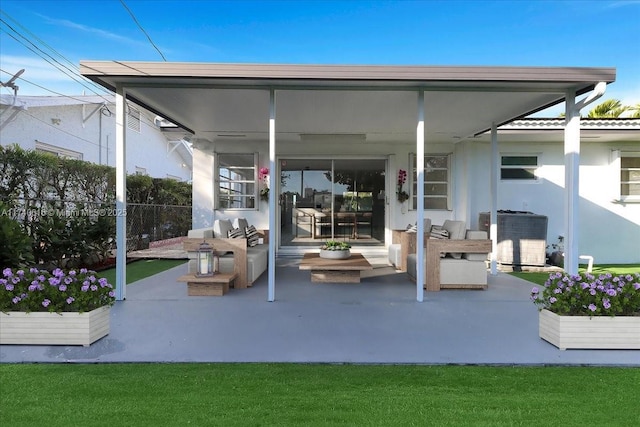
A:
{"x": 635, "y": 111}
{"x": 609, "y": 109}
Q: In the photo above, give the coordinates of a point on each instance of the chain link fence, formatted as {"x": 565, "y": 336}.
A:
{"x": 145, "y": 222}
{"x": 151, "y": 223}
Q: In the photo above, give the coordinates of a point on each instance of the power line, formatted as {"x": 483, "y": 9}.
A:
{"x": 73, "y": 73}
{"x": 142, "y": 29}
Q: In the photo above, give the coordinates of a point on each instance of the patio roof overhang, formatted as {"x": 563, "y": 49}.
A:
{"x": 385, "y": 103}
{"x": 219, "y": 101}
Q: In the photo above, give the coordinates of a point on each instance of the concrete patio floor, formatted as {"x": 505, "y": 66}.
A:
{"x": 376, "y": 321}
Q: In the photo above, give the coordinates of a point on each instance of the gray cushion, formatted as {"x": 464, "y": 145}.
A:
{"x": 457, "y": 230}
{"x": 221, "y": 228}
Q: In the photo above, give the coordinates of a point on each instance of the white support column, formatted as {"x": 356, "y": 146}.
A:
{"x": 420, "y": 267}
{"x": 495, "y": 170}
{"x": 571, "y": 183}
{"x": 121, "y": 193}
{"x": 272, "y": 197}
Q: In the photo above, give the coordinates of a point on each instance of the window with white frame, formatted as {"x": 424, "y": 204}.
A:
{"x": 630, "y": 176}
{"x": 133, "y": 119}
{"x": 237, "y": 181}
{"x": 57, "y": 151}
{"x": 437, "y": 181}
{"x": 519, "y": 167}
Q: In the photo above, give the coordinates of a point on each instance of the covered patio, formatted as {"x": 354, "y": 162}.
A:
{"x": 394, "y": 112}
{"x": 376, "y": 321}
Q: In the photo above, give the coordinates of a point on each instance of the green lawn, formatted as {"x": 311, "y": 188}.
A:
{"x": 540, "y": 278}
{"x": 140, "y": 269}
{"x": 315, "y": 395}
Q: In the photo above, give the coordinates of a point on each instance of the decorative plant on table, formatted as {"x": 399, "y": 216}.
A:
{"x": 403, "y": 196}
{"x": 264, "y": 179}
{"x": 588, "y": 295}
{"x": 335, "y": 245}
{"x": 58, "y": 291}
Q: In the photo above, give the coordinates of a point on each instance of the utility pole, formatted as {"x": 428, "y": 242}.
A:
{"x": 11, "y": 83}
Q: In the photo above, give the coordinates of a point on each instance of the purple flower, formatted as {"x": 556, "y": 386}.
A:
{"x": 552, "y": 300}
{"x": 58, "y": 273}
{"x": 7, "y": 272}
{"x": 72, "y": 273}
{"x": 53, "y": 281}
{"x": 557, "y": 291}
{"x": 68, "y": 280}
{"x": 16, "y": 300}
{"x": 70, "y": 300}
{"x": 9, "y": 286}
{"x": 112, "y": 294}
{"x": 606, "y": 303}
{"x": 94, "y": 288}
{"x": 46, "y": 303}
{"x": 33, "y": 270}
{"x": 41, "y": 278}
{"x": 611, "y": 292}
{"x": 20, "y": 272}
{"x": 103, "y": 282}
{"x": 32, "y": 287}
{"x": 62, "y": 288}
{"x": 84, "y": 288}
{"x": 83, "y": 270}
{"x": 592, "y": 307}
{"x": 15, "y": 280}
{"x": 636, "y": 286}
{"x": 592, "y": 291}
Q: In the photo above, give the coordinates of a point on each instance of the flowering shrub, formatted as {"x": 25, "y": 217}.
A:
{"x": 402, "y": 178}
{"x": 57, "y": 291}
{"x": 588, "y": 295}
{"x": 264, "y": 178}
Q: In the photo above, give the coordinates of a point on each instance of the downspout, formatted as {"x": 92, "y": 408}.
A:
{"x": 572, "y": 173}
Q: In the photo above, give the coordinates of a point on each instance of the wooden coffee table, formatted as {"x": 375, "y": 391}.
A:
{"x": 216, "y": 285}
{"x": 335, "y": 270}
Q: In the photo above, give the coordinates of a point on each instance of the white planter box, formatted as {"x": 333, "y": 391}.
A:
{"x": 598, "y": 332}
{"x": 54, "y": 329}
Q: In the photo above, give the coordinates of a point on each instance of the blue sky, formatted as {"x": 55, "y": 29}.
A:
{"x": 541, "y": 33}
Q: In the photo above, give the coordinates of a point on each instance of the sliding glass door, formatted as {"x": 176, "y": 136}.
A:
{"x": 325, "y": 199}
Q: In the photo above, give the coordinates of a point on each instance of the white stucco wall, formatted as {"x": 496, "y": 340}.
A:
{"x": 62, "y": 126}
{"x": 609, "y": 231}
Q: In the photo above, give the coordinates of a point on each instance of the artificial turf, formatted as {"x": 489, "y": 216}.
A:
{"x": 138, "y": 270}
{"x": 316, "y": 395}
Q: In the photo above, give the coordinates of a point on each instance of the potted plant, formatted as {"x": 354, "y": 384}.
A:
{"x": 334, "y": 249}
{"x": 54, "y": 308}
{"x": 402, "y": 195}
{"x": 585, "y": 311}
{"x": 264, "y": 178}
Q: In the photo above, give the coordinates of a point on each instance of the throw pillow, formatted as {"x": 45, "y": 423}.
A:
{"x": 252, "y": 236}
{"x": 439, "y": 233}
{"x": 236, "y": 233}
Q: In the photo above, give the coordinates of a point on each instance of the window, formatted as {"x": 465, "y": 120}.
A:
{"x": 519, "y": 168}
{"x": 133, "y": 119}
{"x": 630, "y": 176}
{"x": 237, "y": 181}
{"x": 57, "y": 151}
{"x": 436, "y": 181}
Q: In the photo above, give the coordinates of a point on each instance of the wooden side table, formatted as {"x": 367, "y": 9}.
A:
{"x": 216, "y": 285}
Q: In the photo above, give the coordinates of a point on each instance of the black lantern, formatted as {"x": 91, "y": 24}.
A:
{"x": 205, "y": 265}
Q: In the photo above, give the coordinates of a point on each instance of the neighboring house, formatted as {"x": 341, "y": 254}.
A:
{"x": 84, "y": 128}
{"x": 336, "y": 139}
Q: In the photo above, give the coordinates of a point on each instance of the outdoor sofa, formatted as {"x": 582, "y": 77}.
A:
{"x": 240, "y": 254}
